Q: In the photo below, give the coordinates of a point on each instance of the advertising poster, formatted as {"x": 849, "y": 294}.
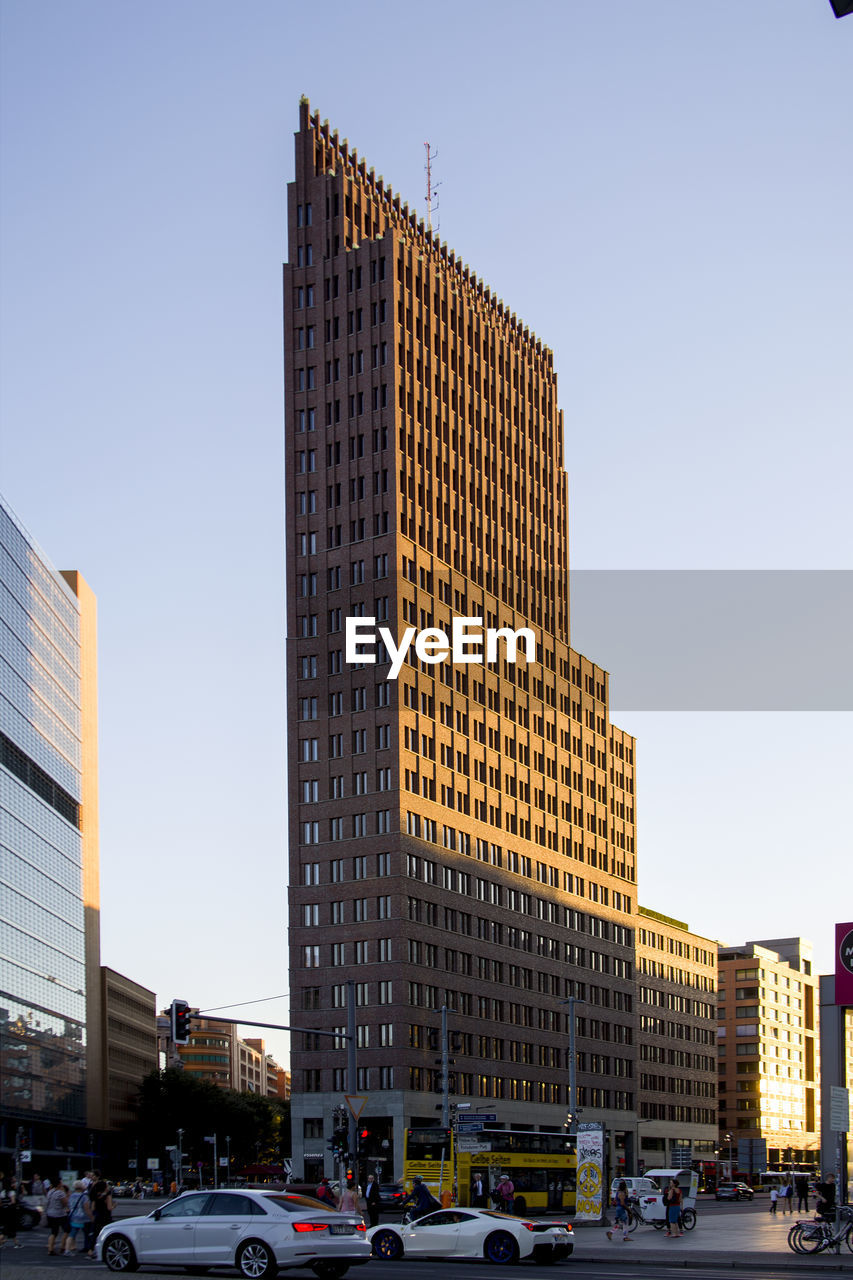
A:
{"x": 590, "y": 1202}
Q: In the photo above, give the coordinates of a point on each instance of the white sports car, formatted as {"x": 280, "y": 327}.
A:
{"x": 473, "y": 1233}
{"x": 257, "y": 1232}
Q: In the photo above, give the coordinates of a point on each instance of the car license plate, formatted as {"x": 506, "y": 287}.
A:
{"x": 343, "y": 1229}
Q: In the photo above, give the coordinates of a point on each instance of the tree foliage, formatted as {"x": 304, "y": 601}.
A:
{"x": 259, "y": 1127}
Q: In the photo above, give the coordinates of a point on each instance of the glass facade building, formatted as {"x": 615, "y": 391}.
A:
{"x": 48, "y": 902}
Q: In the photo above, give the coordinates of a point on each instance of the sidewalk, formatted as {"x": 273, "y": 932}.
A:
{"x": 753, "y": 1243}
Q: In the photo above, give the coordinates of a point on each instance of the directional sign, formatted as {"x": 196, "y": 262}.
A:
{"x": 486, "y": 1117}
{"x": 471, "y": 1147}
{"x": 468, "y": 1126}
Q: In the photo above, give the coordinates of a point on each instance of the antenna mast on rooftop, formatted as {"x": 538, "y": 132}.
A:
{"x": 431, "y": 190}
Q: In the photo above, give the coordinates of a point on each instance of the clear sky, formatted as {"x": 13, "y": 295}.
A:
{"x": 662, "y": 190}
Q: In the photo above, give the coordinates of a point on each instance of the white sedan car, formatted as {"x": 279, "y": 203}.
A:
{"x": 473, "y": 1233}
{"x": 257, "y": 1232}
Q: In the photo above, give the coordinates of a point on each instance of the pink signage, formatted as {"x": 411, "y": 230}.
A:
{"x": 844, "y": 964}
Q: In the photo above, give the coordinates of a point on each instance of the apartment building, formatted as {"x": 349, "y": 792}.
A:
{"x": 677, "y": 1037}
{"x": 769, "y": 1055}
{"x": 461, "y": 834}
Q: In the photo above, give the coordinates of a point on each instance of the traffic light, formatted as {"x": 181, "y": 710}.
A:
{"x": 180, "y": 1021}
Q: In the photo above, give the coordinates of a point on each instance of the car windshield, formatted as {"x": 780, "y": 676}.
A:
{"x": 297, "y": 1204}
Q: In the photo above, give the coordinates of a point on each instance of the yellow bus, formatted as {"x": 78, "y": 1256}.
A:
{"x": 541, "y": 1166}
{"x": 429, "y": 1155}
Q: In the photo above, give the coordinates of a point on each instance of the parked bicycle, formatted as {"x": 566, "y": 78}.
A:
{"x": 815, "y": 1235}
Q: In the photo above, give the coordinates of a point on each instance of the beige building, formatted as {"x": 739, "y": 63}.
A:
{"x": 677, "y": 1082}
{"x": 129, "y": 1044}
{"x": 768, "y": 1053}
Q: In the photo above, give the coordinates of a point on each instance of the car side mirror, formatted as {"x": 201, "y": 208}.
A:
{"x": 156, "y": 1215}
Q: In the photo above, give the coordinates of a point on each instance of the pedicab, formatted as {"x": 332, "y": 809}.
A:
{"x": 654, "y": 1206}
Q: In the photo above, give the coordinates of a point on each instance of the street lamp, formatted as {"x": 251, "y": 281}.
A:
{"x": 573, "y": 1083}
{"x": 730, "y": 1141}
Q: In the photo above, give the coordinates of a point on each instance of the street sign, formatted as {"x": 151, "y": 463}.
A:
{"x": 468, "y": 1126}
{"x": 470, "y": 1146}
{"x": 26, "y": 1157}
{"x": 131, "y": 1164}
{"x": 839, "y": 1109}
{"x": 356, "y": 1103}
{"x": 153, "y": 1162}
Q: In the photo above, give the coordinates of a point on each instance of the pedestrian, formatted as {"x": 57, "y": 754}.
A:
{"x": 56, "y": 1210}
{"x": 621, "y": 1212}
{"x": 478, "y": 1191}
{"x": 325, "y": 1194}
{"x": 102, "y": 1211}
{"x": 348, "y": 1199}
{"x": 371, "y": 1199}
{"x": 36, "y": 1185}
{"x": 505, "y": 1191}
{"x": 79, "y": 1215}
{"x": 9, "y": 1210}
{"x": 789, "y": 1196}
{"x": 774, "y": 1198}
{"x": 672, "y": 1196}
{"x": 802, "y": 1194}
{"x": 826, "y": 1198}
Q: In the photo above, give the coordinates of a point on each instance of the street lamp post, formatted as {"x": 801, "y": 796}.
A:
{"x": 573, "y": 1083}
{"x": 730, "y": 1141}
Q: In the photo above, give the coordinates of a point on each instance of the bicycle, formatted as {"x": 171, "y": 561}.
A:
{"x": 815, "y": 1235}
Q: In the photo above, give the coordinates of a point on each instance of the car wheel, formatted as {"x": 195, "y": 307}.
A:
{"x": 500, "y": 1247}
{"x": 255, "y": 1260}
{"x": 118, "y": 1254}
{"x": 688, "y": 1219}
{"x": 330, "y": 1270}
{"x": 387, "y": 1245}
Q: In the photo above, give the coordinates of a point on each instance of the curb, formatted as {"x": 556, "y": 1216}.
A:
{"x": 715, "y": 1261}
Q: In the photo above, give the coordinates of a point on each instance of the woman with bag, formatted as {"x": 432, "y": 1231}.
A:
{"x": 79, "y": 1216}
{"x": 101, "y": 1204}
{"x": 673, "y": 1209}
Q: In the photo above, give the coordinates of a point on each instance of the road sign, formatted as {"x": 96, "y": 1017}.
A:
{"x": 356, "y": 1103}
{"x": 487, "y": 1117}
{"x": 839, "y": 1109}
{"x": 468, "y": 1126}
{"x": 470, "y": 1146}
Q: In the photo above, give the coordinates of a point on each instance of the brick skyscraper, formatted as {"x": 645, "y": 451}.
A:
{"x": 463, "y": 835}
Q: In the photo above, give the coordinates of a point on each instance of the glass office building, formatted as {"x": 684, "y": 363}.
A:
{"x": 48, "y": 843}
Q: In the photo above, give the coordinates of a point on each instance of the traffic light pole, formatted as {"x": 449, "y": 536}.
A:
{"x": 352, "y": 1073}
{"x": 445, "y": 1072}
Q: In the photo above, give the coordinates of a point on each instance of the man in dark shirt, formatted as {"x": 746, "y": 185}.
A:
{"x": 826, "y": 1198}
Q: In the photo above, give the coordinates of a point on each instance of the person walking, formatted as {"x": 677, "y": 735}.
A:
{"x": 102, "y": 1211}
{"x": 774, "y": 1198}
{"x": 789, "y": 1196}
{"x": 621, "y": 1213}
{"x": 56, "y": 1211}
{"x": 325, "y": 1194}
{"x": 371, "y": 1199}
{"x": 672, "y": 1197}
{"x": 478, "y": 1191}
{"x": 505, "y": 1191}
{"x": 79, "y": 1216}
{"x": 348, "y": 1199}
{"x": 802, "y": 1194}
